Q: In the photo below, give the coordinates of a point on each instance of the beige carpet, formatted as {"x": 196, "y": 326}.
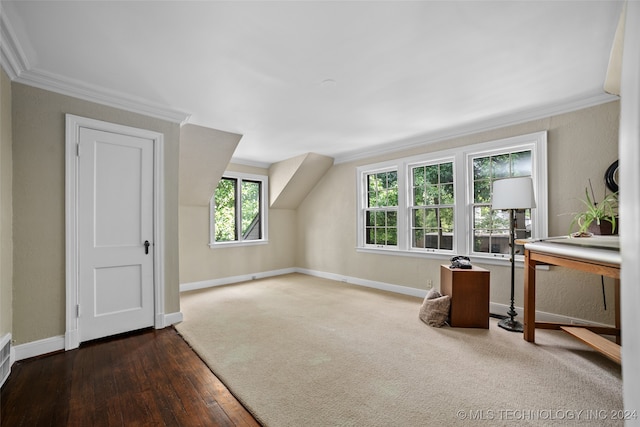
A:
{"x": 303, "y": 351}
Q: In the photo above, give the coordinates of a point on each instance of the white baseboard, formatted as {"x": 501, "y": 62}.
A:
{"x": 173, "y": 318}
{"x": 38, "y": 348}
{"x": 494, "y": 308}
{"x": 405, "y": 290}
{"x": 49, "y": 345}
{"x": 192, "y": 286}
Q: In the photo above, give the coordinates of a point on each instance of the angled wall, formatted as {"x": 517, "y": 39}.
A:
{"x": 291, "y": 180}
{"x": 204, "y": 155}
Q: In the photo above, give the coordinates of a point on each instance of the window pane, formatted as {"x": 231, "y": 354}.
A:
{"x": 419, "y": 198}
{"x": 225, "y": 210}
{"x": 482, "y": 191}
{"x": 481, "y": 168}
{"x": 418, "y": 176}
{"x": 482, "y": 217}
{"x": 446, "y": 194}
{"x": 446, "y": 220}
{"x": 431, "y": 239}
{"x": 521, "y": 164}
{"x": 392, "y": 236}
{"x": 500, "y": 166}
{"x": 431, "y": 218}
{"x": 418, "y": 239}
{"x": 250, "y": 202}
{"x": 418, "y": 218}
{"x": 500, "y": 219}
{"x": 392, "y": 220}
{"x": 446, "y": 172}
{"x": 372, "y": 199}
{"x": 432, "y": 175}
{"x": 432, "y": 197}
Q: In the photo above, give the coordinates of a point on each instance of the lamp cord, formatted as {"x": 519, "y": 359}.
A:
{"x": 604, "y": 296}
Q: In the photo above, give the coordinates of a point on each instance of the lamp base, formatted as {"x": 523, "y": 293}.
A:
{"x": 511, "y": 325}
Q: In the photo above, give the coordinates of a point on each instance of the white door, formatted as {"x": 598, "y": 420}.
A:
{"x": 115, "y": 231}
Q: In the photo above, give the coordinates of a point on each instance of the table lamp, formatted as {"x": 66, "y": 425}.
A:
{"x": 512, "y": 194}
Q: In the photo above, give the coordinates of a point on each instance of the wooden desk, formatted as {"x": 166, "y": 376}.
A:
{"x": 599, "y": 255}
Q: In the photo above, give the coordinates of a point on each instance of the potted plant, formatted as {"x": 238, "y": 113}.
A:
{"x": 597, "y": 218}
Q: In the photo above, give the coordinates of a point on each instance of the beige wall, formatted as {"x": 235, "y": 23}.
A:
{"x": 199, "y": 262}
{"x": 6, "y": 209}
{"x": 39, "y": 205}
{"x": 581, "y": 145}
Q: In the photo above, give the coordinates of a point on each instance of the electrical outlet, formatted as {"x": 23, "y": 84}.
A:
{"x": 429, "y": 284}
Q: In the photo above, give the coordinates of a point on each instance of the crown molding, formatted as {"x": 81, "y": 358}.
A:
{"x": 247, "y": 162}
{"x": 77, "y": 89}
{"x": 15, "y": 64}
{"x": 566, "y": 106}
{"x": 12, "y": 57}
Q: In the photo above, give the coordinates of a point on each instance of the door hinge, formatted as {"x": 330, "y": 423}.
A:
{"x": 78, "y": 310}
{"x": 78, "y": 150}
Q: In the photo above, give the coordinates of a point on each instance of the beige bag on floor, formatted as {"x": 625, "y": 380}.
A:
{"x": 435, "y": 309}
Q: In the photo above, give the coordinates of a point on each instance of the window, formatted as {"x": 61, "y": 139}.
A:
{"x": 432, "y": 206}
{"x": 238, "y": 209}
{"x": 440, "y": 203}
{"x": 491, "y": 227}
{"x": 382, "y": 208}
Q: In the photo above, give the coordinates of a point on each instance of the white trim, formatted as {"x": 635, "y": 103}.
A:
{"x": 73, "y": 125}
{"x": 461, "y": 158}
{"x": 629, "y": 154}
{"x": 537, "y": 143}
{"x": 253, "y": 163}
{"x": 173, "y": 318}
{"x": 12, "y": 57}
{"x": 264, "y": 211}
{"x": 15, "y": 63}
{"x": 192, "y": 286}
{"x": 563, "y": 107}
{"x": 39, "y": 347}
{"x": 81, "y": 90}
{"x": 494, "y": 308}
{"x": 404, "y": 290}
{"x": 57, "y": 343}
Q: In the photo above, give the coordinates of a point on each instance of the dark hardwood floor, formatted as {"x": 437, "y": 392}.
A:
{"x": 145, "y": 378}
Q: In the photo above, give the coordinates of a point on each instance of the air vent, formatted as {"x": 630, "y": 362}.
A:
{"x": 5, "y": 358}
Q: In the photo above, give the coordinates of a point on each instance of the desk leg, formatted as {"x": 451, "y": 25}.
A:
{"x": 616, "y": 286}
{"x": 529, "y": 298}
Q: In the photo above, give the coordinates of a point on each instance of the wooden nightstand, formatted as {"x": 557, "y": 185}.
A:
{"x": 469, "y": 292}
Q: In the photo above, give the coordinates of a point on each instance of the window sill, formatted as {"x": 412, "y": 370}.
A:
{"x": 488, "y": 259}
{"x": 222, "y": 245}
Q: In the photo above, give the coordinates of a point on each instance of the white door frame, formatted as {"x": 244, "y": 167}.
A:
{"x": 73, "y": 125}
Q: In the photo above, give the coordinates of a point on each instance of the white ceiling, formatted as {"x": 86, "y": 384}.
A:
{"x": 334, "y": 78}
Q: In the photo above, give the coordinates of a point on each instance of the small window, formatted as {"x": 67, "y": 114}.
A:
{"x": 238, "y": 209}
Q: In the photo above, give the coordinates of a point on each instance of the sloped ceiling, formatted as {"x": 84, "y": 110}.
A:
{"x": 340, "y": 79}
{"x": 291, "y": 180}
{"x": 204, "y": 156}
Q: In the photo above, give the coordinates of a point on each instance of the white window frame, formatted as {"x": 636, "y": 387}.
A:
{"x": 432, "y": 161}
{"x": 264, "y": 204}
{"x": 463, "y": 215}
{"x": 365, "y": 207}
{"x": 537, "y": 144}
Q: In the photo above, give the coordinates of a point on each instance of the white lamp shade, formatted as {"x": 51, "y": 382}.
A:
{"x": 513, "y": 193}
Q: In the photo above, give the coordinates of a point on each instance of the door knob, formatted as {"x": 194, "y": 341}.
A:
{"x": 146, "y": 247}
